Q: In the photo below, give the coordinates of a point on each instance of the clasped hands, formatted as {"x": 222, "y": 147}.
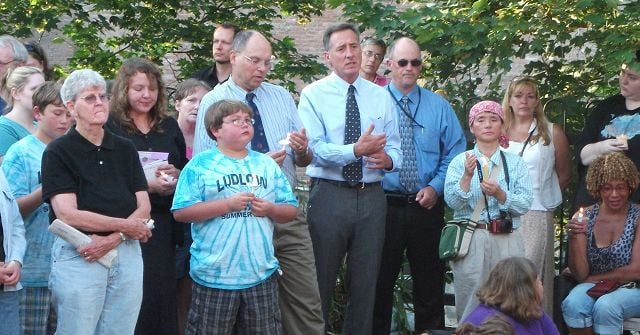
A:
{"x": 259, "y": 206}
{"x": 488, "y": 186}
{"x": 134, "y": 229}
{"x": 10, "y": 273}
{"x": 371, "y": 147}
{"x": 165, "y": 181}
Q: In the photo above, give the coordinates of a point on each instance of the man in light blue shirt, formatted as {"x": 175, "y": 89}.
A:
{"x": 415, "y": 207}
{"x": 250, "y": 62}
{"x": 347, "y": 208}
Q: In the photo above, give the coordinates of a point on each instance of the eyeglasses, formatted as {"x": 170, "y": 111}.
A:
{"x": 92, "y": 99}
{"x": 257, "y": 62}
{"x": 620, "y": 189}
{"x": 375, "y": 55}
{"x": 240, "y": 122}
{"x": 414, "y": 62}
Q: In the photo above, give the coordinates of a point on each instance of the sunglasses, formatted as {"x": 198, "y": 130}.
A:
{"x": 414, "y": 62}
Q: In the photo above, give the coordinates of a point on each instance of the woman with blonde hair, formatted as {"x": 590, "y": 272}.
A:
{"x": 514, "y": 291}
{"x": 17, "y": 91}
{"x": 604, "y": 249}
{"x": 545, "y": 149}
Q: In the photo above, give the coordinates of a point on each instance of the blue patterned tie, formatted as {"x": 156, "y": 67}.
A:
{"x": 352, "y": 173}
{"x": 409, "y": 170}
{"x": 259, "y": 141}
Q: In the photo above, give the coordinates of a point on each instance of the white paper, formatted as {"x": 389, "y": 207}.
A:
{"x": 76, "y": 238}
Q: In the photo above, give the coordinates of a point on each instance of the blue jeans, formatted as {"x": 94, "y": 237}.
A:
{"x": 605, "y": 314}
{"x": 91, "y": 299}
{"x": 9, "y": 318}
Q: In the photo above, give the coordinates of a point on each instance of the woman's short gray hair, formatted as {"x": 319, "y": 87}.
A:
{"x": 78, "y": 81}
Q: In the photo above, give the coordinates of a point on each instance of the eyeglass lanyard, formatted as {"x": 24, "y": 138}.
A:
{"x": 527, "y": 141}
{"x": 506, "y": 178}
{"x": 411, "y": 117}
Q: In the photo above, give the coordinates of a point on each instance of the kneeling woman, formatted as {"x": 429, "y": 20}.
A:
{"x": 498, "y": 184}
{"x": 603, "y": 246}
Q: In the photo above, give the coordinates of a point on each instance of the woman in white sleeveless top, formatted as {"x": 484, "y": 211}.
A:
{"x": 545, "y": 149}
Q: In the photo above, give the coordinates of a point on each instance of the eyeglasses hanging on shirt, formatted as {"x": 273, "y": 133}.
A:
{"x": 407, "y": 112}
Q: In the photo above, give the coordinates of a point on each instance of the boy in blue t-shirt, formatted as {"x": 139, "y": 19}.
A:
{"x": 21, "y": 166}
{"x": 233, "y": 196}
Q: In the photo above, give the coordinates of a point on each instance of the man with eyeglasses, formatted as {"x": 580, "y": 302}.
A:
{"x": 353, "y": 132}
{"x": 12, "y": 54}
{"x": 278, "y": 132}
{"x": 373, "y": 51}
{"x": 221, "y": 47}
{"x": 431, "y": 138}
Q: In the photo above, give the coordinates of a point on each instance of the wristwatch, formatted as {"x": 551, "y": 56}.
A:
{"x": 122, "y": 236}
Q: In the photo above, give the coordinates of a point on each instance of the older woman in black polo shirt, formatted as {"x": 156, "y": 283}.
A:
{"x": 95, "y": 183}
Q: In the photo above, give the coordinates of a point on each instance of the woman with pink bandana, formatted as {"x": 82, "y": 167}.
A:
{"x": 496, "y": 186}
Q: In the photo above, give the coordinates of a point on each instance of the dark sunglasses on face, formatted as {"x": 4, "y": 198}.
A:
{"x": 414, "y": 62}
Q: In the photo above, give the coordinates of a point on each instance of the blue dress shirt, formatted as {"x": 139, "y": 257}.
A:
{"x": 437, "y": 135}
{"x": 322, "y": 109}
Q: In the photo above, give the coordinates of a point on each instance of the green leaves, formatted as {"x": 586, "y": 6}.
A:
{"x": 573, "y": 48}
{"x": 178, "y": 33}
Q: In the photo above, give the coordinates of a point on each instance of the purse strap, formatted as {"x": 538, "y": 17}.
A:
{"x": 527, "y": 141}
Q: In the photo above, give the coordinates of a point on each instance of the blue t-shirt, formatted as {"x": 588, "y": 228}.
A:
{"x": 21, "y": 166}
{"x": 235, "y": 250}
{"x": 10, "y": 133}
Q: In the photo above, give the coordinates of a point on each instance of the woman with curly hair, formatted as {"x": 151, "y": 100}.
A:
{"x": 514, "y": 291}
{"x": 138, "y": 112}
{"x": 602, "y": 247}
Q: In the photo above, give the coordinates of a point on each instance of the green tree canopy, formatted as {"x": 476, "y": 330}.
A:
{"x": 573, "y": 48}
{"x": 105, "y": 32}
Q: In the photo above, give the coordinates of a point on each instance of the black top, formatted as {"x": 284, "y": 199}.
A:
{"x": 166, "y": 138}
{"x": 602, "y": 116}
{"x": 208, "y": 75}
{"x": 104, "y": 178}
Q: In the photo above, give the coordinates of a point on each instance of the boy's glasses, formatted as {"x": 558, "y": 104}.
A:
{"x": 241, "y": 122}
{"x": 92, "y": 99}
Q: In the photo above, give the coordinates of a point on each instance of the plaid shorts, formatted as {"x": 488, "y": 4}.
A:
{"x": 37, "y": 316}
{"x": 252, "y": 310}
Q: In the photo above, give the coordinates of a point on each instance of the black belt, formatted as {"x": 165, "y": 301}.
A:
{"x": 400, "y": 199}
{"x": 345, "y": 184}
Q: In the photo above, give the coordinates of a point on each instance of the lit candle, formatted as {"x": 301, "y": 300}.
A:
{"x": 254, "y": 183}
{"x": 580, "y": 214}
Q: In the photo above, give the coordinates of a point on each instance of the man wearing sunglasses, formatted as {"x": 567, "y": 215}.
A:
{"x": 278, "y": 132}
{"x": 431, "y": 137}
{"x": 12, "y": 54}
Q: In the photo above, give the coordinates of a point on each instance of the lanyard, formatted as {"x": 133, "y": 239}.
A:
{"x": 407, "y": 113}
{"x": 527, "y": 141}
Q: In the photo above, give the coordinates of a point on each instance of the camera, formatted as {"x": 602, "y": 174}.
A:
{"x": 501, "y": 225}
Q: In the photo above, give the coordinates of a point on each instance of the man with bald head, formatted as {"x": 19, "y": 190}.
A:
{"x": 275, "y": 119}
{"x": 431, "y": 137}
{"x": 12, "y": 54}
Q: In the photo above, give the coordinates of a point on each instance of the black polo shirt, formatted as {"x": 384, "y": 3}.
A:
{"x": 208, "y": 75}
{"x": 104, "y": 178}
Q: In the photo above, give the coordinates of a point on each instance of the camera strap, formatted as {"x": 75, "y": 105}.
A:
{"x": 493, "y": 174}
